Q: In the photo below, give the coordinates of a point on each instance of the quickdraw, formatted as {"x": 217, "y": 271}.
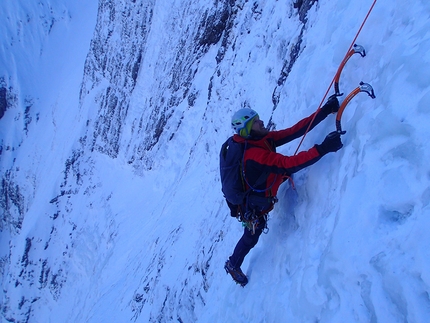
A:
{"x": 251, "y": 222}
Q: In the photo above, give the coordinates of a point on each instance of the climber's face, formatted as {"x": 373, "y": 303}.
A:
{"x": 258, "y": 127}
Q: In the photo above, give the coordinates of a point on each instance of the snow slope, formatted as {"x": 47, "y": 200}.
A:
{"x": 110, "y": 195}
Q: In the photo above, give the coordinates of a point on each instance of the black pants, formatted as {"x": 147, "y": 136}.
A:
{"x": 246, "y": 243}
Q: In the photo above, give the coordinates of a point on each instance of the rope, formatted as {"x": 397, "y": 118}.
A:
{"x": 332, "y": 81}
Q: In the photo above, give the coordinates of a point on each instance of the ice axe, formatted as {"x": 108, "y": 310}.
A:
{"x": 363, "y": 87}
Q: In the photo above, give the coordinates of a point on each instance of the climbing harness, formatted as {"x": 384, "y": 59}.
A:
{"x": 252, "y": 220}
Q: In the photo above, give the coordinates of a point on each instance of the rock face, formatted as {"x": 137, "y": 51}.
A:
{"x": 126, "y": 50}
{"x": 139, "y": 82}
{"x": 125, "y": 53}
{"x": 3, "y": 100}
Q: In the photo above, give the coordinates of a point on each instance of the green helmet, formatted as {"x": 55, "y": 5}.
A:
{"x": 241, "y": 121}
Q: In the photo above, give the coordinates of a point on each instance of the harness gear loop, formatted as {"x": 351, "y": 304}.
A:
{"x": 252, "y": 225}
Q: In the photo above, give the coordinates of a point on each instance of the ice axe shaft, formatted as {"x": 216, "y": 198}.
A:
{"x": 363, "y": 87}
{"x": 357, "y": 49}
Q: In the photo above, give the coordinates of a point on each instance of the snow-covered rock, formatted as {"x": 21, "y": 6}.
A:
{"x": 111, "y": 119}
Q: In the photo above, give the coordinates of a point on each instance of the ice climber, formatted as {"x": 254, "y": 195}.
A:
{"x": 264, "y": 170}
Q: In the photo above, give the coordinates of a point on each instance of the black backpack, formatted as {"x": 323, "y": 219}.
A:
{"x": 232, "y": 183}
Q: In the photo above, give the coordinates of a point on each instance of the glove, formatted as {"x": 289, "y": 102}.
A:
{"x": 331, "y": 106}
{"x": 234, "y": 209}
{"x": 331, "y": 143}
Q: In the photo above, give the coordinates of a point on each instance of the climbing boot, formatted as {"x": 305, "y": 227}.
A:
{"x": 236, "y": 273}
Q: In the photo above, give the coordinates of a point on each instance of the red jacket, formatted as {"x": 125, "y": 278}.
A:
{"x": 261, "y": 157}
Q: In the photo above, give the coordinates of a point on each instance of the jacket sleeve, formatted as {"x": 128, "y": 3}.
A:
{"x": 281, "y": 164}
{"x": 281, "y": 137}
